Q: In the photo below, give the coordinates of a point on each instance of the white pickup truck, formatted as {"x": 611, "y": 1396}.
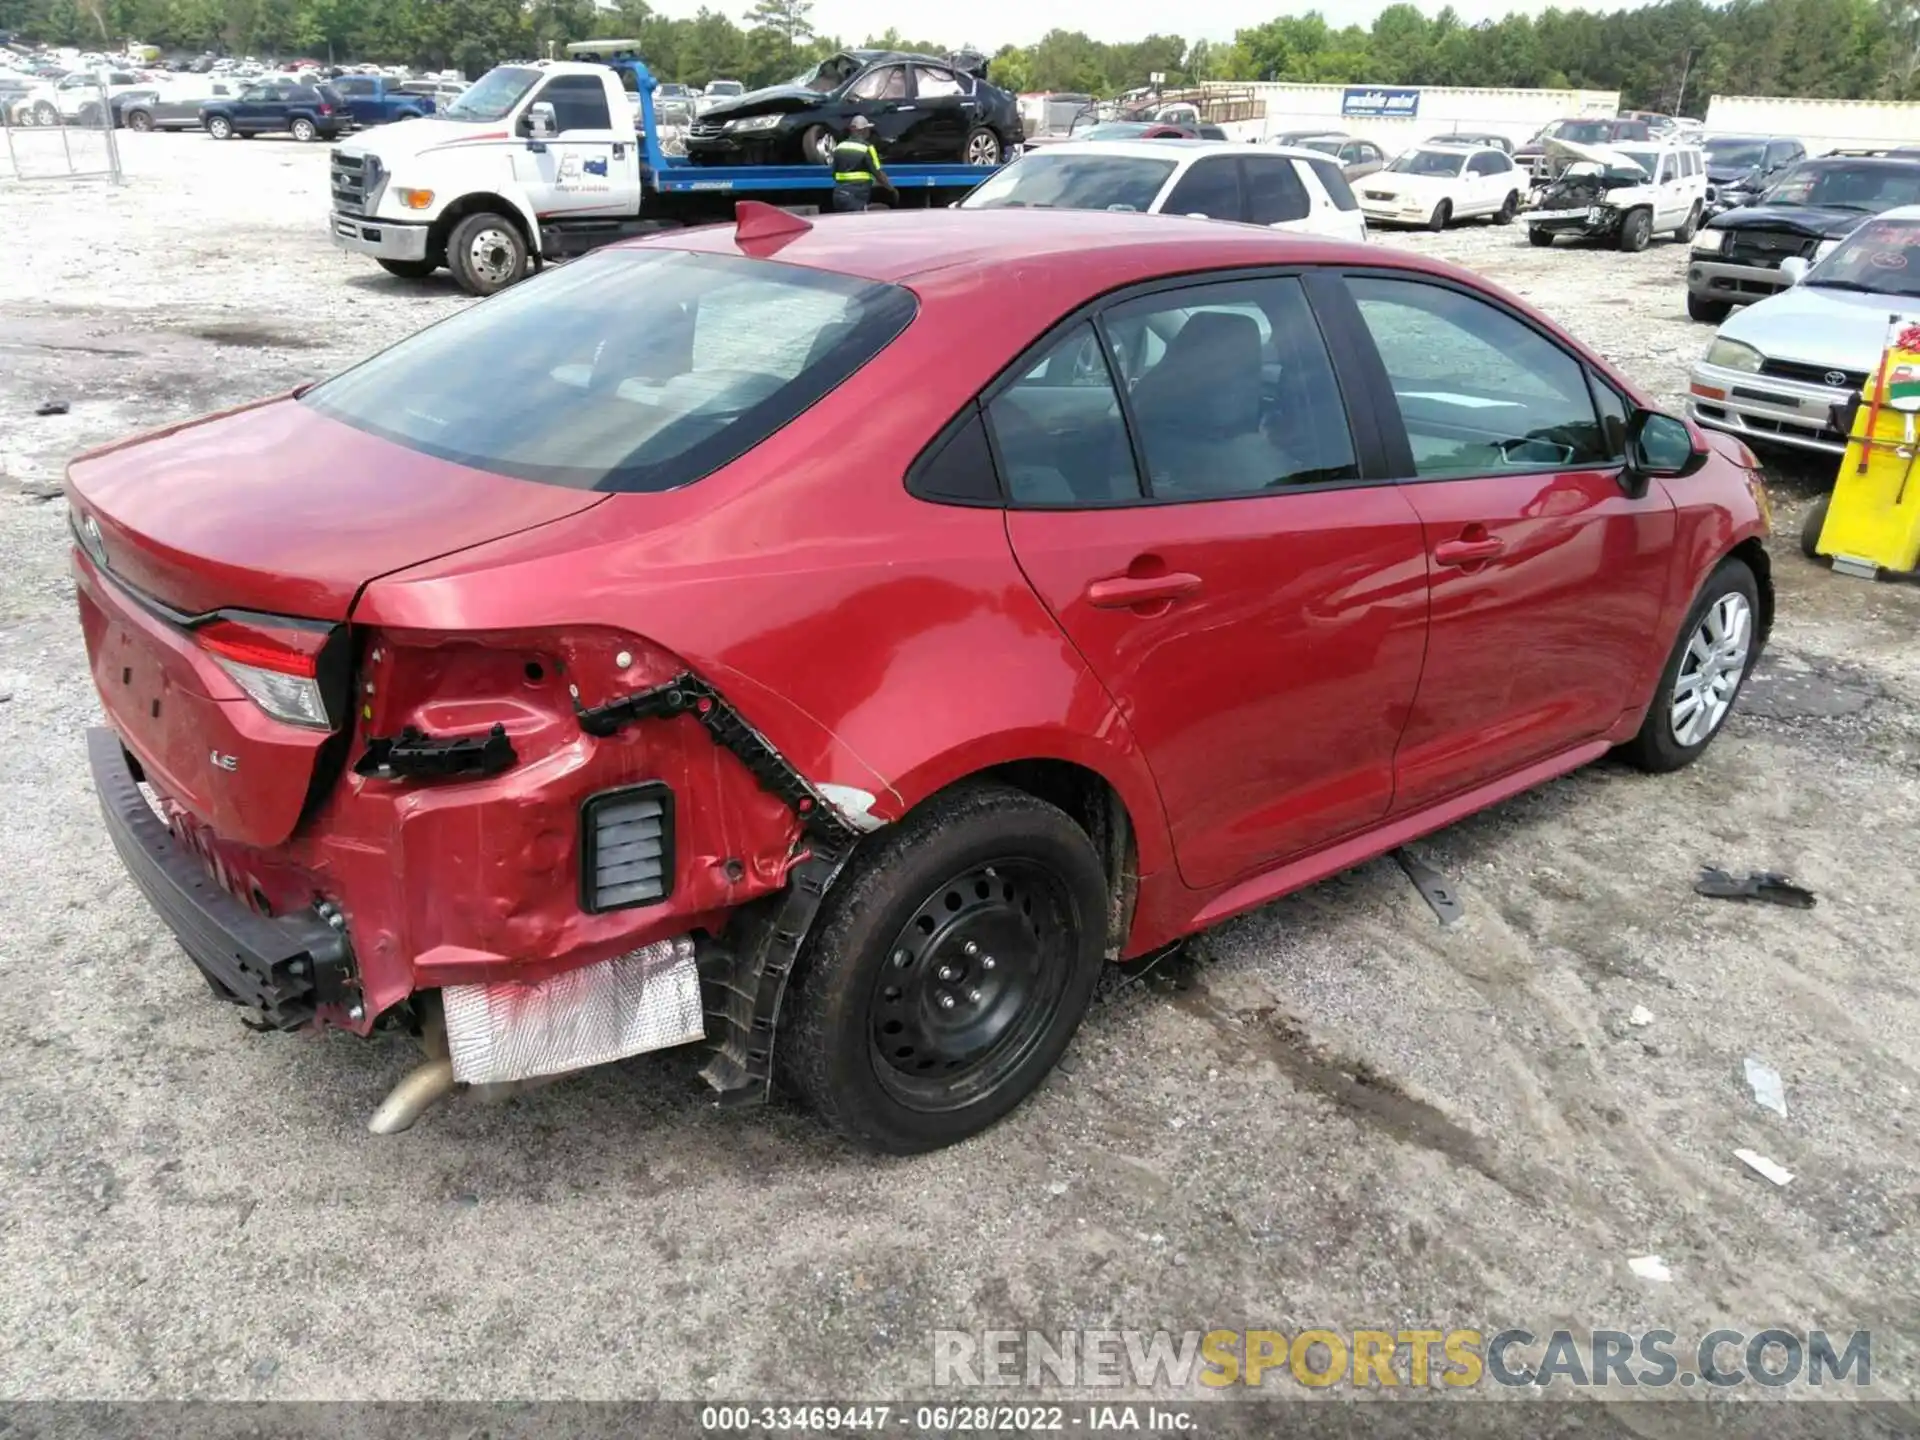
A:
{"x": 544, "y": 161}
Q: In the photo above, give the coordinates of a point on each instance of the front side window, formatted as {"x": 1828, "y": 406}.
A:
{"x": 1231, "y": 390}
{"x": 1058, "y": 432}
{"x": 353, "y": 87}
{"x": 1210, "y": 188}
{"x": 630, "y": 370}
{"x": 579, "y": 103}
{"x": 1479, "y": 392}
{"x": 889, "y": 83}
{"x": 1073, "y": 182}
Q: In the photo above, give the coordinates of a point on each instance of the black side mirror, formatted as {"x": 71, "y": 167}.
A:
{"x": 1659, "y": 446}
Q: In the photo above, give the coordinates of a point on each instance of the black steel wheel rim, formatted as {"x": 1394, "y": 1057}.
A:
{"x": 971, "y": 985}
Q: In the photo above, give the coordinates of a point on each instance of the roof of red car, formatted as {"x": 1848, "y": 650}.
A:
{"x": 894, "y": 246}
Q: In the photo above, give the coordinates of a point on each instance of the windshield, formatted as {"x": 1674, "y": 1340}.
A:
{"x": 726, "y": 87}
{"x": 1647, "y": 160}
{"x": 1735, "y": 154}
{"x": 830, "y": 75}
{"x": 626, "y": 370}
{"x": 493, "y": 95}
{"x": 1581, "y": 132}
{"x": 1074, "y": 182}
{"x": 1881, "y": 257}
{"x": 1867, "y": 188}
{"x": 1427, "y": 162}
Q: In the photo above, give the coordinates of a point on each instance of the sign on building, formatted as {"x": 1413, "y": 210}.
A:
{"x": 1364, "y": 103}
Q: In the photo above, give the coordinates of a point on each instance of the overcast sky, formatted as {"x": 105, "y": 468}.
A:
{"x": 990, "y": 24}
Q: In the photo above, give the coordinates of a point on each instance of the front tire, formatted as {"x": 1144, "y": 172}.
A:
{"x": 949, "y": 970}
{"x": 983, "y": 148}
{"x": 1702, "y": 677}
{"x": 1635, "y": 231}
{"x": 1687, "y": 231}
{"x": 1710, "y": 312}
{"x": 303, "y": 130}
{"x": 409, "y": 269}
{"x": 220, "y": 128}
{"x": 1509, "y": 208}
{"x": 1442, "y": 213}
{"x": 817, "y": 145}
{"x": 486, "y": 253}
{"x": 1539, "y": 236}
{"x": 45, "y": 114}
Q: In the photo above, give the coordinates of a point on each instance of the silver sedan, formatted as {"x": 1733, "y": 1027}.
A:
{"x": 1777, "y": 369}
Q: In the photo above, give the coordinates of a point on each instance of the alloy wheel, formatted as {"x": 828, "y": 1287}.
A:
{"x": 1716, "y": 658}
{"x": 971, "y": 985}
{"x": 984, "y": 149}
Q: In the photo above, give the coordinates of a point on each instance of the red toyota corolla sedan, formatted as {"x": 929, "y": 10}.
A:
{"x": 834, "y": 644}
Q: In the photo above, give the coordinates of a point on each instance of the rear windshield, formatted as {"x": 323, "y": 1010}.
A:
{"x": 627, "y": 370}
{"x": 1074, "y": 182}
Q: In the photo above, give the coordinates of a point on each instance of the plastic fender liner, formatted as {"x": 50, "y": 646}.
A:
{"x": 743, "y": 977}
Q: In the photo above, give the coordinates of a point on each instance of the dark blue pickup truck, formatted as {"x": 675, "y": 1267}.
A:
{"x": 375, "y": 100}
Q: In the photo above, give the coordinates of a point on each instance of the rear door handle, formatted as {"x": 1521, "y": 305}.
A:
{"x": 1121, "y": 592}
{"x": 1467, "y": 552}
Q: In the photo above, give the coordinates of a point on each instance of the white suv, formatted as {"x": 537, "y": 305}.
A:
{"x": 1622, "y": 194}
{"x": 1284, "y": 189}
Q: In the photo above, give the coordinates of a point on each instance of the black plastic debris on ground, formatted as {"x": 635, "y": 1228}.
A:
{"x": 1434, "y": 887}
{"x": 54, "y": 407}
{"x": 1755, "y": 885}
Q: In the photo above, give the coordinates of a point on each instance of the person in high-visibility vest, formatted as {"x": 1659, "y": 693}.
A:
{"x": 856, "y": 168}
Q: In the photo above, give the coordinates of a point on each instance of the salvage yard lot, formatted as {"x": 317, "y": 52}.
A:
{"x": 1343, "y": 1117}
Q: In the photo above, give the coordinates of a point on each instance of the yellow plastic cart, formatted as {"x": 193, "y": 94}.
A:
{"x": 1870, "y": 525}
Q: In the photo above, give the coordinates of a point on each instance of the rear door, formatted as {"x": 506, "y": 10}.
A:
{"x": 1188, "y": 501}
{"x": 885, "y": 96}
{"x": 942, "y": 117}
{"x": 1548, "y": 578}
{"x": 1274, "y": 193}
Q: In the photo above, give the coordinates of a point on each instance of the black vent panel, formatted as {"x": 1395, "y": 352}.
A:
{"x": 626, "y": 848}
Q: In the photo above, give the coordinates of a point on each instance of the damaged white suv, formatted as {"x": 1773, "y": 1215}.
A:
{"x": 1623, "y": 195}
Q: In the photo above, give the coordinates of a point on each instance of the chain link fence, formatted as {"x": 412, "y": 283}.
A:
{"x": 62, "y": 132}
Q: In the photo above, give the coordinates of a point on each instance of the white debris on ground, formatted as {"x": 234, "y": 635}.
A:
{"x": 1382, "y": 1120}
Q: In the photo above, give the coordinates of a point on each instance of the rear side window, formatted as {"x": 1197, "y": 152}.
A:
{"x": 628, "y": 370}
{"x": 1210, "y": 188}
{"x": 1058, "y": 432}
{"x": 1274, "y": 192}
{"x": 1334, "y": 181}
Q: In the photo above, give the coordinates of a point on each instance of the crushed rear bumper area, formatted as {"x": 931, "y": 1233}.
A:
{"x": 285, "y": 969}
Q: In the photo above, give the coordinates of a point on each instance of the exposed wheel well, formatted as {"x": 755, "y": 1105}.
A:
{"x": 467, "y": 205}
{"x": 1754, "y": 555}
{"x": 1096, "y": 807}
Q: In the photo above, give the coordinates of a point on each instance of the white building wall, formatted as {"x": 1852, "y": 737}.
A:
{"x": 1517, "y": 114}
{"x": 1820, "y": 125}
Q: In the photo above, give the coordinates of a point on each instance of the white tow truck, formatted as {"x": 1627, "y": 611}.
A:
{"x": 546, "y": 161}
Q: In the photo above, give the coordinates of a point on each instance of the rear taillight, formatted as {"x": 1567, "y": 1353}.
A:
{"x": 326, "y": 109}
{"x": 278, "y": 667}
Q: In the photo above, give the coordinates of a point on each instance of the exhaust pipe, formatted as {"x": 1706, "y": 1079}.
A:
{"x": 425, "y": 1086}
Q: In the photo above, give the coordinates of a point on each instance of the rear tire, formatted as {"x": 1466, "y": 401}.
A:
{"x": 486, "y": 253}
{"x": 1509, "y": 208}
{"x": 409, "y": 269}
{"x": 983, "y": 148}
{"x": 139, "y": 120}
{"x": 1709, "y": 312}
{"x": 220, "y": 128}
{"x": 1635, "y": 231}
{"x": 986, "y": 898}
{"x": 1442, "y": 213}
{"x": 303, "y": 130}
{"x": 1539, "y": 236}
{"x": 1699, "y": 667}
{"x": 1811, "y": 527}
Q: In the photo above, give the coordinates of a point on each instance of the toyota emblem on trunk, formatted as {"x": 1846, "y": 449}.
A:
{"x": 1837, "y": 379}
{"x": 91, "y": 542}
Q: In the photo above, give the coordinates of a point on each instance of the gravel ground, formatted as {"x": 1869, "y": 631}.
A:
{"x": 1344, "y": 1117}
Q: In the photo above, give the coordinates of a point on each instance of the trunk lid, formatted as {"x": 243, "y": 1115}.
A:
{"x": 279, "y": 509}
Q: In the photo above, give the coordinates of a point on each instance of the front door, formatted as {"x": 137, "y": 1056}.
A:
{"x": 1256, "y": 611}
{"x": 1548, "y": 577}
{"x": 588, "y": 168}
